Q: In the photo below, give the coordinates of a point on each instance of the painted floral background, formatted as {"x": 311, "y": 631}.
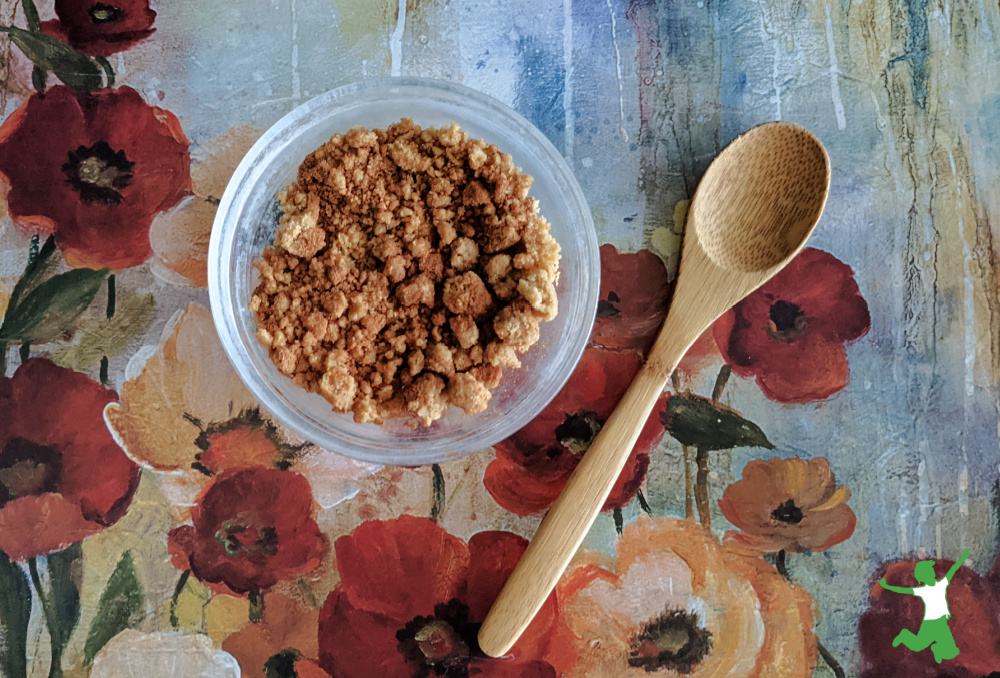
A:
{"x": 834, "y": 428}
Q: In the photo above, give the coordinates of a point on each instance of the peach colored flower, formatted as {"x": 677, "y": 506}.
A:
{"x": 180, "y": 236}
{"x": 792, "y": 505}
{"x": 677, "y": 603}
{"x": 183, "y": 411}
{"x": 285, "y": 625}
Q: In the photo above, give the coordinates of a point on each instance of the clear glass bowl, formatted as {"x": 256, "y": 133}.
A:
{"x": 245, "y": 224}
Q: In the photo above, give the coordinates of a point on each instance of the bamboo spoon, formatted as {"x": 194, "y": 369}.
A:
{"x": 753, "y": 211}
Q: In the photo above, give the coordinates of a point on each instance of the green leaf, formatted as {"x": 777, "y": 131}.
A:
{"x": 121, "y": 607}
{"x": 65, "y": 572}
{"x": 15, "y": 611}
{"x": 51, "y": 54}
{"x": 52, "y": 308}
{"x": 697, "y": 421}
{"x": 109, "y": 337}
{"x": 40, "y": 264}
{"x": 31, "y": 16}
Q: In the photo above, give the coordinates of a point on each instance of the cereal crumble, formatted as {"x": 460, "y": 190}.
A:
{"x": 409, "y": 268}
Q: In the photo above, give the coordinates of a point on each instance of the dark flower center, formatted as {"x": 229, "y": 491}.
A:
{"x": 787, "y": 322}
{"x": 98, "y": 173}
{"x": 578, "y": 431}
{"x": 239, "y": 539}
{"x": 788, "y": 513}
{"x": 606, "y": 308}
{"x": 674, "y": 641}
{"x": 104, "y": 14}
{"x": 443, "y": 644}
{"x": 282, "y": 665}
{"x": 27, "y": 468}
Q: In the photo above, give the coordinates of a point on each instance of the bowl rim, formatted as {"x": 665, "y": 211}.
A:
{"x": 219, "y": 275}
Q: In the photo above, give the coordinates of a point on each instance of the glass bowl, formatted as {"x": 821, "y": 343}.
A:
{"x": 245, "y": 224}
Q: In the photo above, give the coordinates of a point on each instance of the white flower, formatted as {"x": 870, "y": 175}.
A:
{"x": 132, "y": 654}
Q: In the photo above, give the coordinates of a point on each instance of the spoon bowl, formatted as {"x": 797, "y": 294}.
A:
{"x": 753, "y": 211}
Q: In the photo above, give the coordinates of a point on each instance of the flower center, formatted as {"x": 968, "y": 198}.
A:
{"x": 98, "y": 173}
{"x": 787, "y": 321}
{"x": 674, "y": 641}
{"x": 239, "y": 539}
{"x": 606, "y": 308}
{"x": 788, "y": 513}
{"x": 27, "y": 468}
{"x": 441, "y": 644}
{"x": 282, "y": 665}
{"x": 578, "y": 431}
{"x": 104, "y": 14}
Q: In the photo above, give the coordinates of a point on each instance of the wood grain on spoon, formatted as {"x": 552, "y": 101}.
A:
{"x": 752, "y": 212}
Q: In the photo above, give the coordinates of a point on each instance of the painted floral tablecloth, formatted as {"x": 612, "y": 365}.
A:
{"x": 837, "y": 427}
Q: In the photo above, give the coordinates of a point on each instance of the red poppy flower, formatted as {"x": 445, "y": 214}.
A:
{"x": 791, "y": 333}
{"x": 411, "y": 600}
{"x": 532, "y": 466}
{"x": 635, "y": 295}
{"x": 253, "y": 527}
{"x": 975, "y": 625}
{"x": 99, "y": 28}
{"x": 93, "y": 169}
{"x": 62, "y": 476}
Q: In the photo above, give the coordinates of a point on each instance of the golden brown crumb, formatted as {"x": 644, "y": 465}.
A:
{"x": 409, "y": 268}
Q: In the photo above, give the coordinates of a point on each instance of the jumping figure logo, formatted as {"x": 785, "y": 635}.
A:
{"x": 934, "y": 631}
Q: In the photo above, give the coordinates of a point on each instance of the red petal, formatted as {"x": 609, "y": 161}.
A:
{"x": 519, "y": 490}
{"x": 502, "y": 668}
{"x": 359, "y": 644}
{"x": 493, "y": 557}
{"x": 38, "y": 524}
{"x": 401, "y": 568}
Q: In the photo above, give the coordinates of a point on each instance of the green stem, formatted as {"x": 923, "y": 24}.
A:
{"x": 256, "y": 606}
{"x": 643, "y": 504}
{"x": 3, "y": 358}
{"x": 38, "y": 79}
{"x": 619, "y": 520}
{"x": 104, "y": 371}
{"x": 25, "y": 351}
{"x": 51, "y": 620}
{"x": 688, "y": 483}
{"x": 437, "y": 505}
{"x": 31, "y": 16}
{"x": 112, "y": 295}
{"x": 109, "y": 72}
{"x": 720, "y": 382}
{"x": 178, "y": 589}
{"x": 701, "y": 488}
{"x": 781, "y": 566}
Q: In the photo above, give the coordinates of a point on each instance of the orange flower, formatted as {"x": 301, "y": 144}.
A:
{"x": 677, "y": 603}
{"x": 179, "y": 237}
{"x": 789, "y": 505}
{"x": 186, "y": 413}
{"x": 284, "y": 625}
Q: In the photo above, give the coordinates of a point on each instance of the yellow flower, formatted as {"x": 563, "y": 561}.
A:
{"x": 185, "y": 412}
{"x": 676, "y": 603}
{"x": 179, "y": 237}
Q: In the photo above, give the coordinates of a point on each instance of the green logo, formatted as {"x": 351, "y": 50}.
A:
{"x": 934, "y": 631}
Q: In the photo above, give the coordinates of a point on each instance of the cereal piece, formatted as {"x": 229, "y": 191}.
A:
{"x": 465, "y": 330}
{"x": 517, "y": 325}
{"x": 467, "y": 392}
{"x": 538, "y": 290}
{"x": 501, "y": 355}
{"x": 424, "y": 398}
{"x": 497, "y": 268}
{"x": 467, "y": 294}
{"x": 420, "y": 291}
{"x": 437, "y": 358}
{"x": 488, "y": 375}
{"x": 464, "y": 254}
{"x": 298, "y": 230}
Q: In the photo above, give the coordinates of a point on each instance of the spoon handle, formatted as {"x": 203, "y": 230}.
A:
{"x": 569, "y": 520}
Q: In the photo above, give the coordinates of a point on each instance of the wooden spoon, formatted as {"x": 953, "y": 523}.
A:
{"x": 753, "y": 211}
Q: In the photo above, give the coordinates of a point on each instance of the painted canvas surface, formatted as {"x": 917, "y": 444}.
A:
{"x": 834, "y": 430}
